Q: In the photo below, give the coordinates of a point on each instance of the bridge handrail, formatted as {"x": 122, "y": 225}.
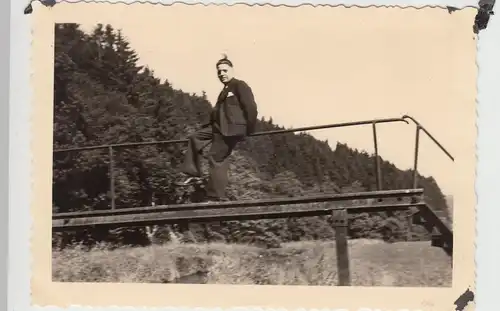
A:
{"x": 274, "y": 132}
{"x": 421, "y": 127}
{"x": 373, "y": 122}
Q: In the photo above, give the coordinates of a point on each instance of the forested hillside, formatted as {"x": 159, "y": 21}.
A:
{"x": 101, "y": 96}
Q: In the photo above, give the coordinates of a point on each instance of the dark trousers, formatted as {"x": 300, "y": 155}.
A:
{"x": 218, "y": 154}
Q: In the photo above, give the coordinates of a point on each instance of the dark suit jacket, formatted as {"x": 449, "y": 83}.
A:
{"x": 235, "y": 113}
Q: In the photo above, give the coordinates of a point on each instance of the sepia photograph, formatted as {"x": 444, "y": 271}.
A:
{"x": 247, "y": 151}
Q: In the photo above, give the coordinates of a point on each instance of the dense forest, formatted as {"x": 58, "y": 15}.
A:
{"x": 102, "y": 96}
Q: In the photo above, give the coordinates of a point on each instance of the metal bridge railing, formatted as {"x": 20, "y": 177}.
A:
{"x": 419, "y": 127}
{"x": 372, "y": 122}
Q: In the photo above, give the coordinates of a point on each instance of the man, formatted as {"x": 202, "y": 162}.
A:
{"x": 232, "y": 119}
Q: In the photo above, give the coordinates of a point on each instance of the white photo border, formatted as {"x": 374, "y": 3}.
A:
{"x": 15, "y": 160}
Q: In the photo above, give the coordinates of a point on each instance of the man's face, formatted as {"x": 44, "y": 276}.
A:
{"x": 225, "y": 73}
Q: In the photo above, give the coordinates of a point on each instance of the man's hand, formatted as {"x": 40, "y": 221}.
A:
{"x": 250, "y": 129}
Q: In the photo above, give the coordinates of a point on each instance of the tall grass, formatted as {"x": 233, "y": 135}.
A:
{"x": 373, "y": 263}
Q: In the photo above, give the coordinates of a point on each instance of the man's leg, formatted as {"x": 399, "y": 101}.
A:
{"x": 196, "y": 142}
{"x": 218, "y": 160}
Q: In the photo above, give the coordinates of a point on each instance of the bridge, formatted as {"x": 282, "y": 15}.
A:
{"x": 339, "y": 206}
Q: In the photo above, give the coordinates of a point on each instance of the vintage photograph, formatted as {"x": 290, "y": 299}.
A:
{"x": 247, "y": 151}
{"x": 132, "y": 201}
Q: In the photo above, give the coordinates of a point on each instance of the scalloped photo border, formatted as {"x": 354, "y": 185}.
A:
{"x": 428, "y": 303}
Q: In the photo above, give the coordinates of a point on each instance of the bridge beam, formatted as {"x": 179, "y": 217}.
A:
{"x": 210, "y": 214}
{"x": 416, "y": 194}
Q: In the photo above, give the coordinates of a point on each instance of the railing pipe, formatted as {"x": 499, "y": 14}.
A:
{"x": 378, "y": 173}
{"x": 414, "y": 183}
{"x": 181, "y": 141}
{"x": 415, "y": 159}
{"x": 429, "y": 135}
{"x": 111, "y": 177}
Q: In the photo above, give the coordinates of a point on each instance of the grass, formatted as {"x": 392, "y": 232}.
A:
{"x": 373, "y": 263}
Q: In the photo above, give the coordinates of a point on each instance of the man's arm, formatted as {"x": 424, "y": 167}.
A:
{"x": 247, "y": 100}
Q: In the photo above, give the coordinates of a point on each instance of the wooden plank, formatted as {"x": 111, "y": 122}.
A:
{"x": 209, "y": 214}
{"x": 332, "y": 197}
{"x": 341, "y": 225}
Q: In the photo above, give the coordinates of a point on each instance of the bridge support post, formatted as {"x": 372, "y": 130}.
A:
{"x": 409, "y": 220}
{"x": 341, "y": 225}
{"x": 111, "y": 177}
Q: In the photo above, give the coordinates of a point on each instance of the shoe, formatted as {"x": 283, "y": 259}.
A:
{"x": 189, "y": 181}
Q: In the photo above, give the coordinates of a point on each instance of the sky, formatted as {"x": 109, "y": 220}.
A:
{"x": 320, "y": 66}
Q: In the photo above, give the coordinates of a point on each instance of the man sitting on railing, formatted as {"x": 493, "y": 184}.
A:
{"x": 232, "y": 119}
